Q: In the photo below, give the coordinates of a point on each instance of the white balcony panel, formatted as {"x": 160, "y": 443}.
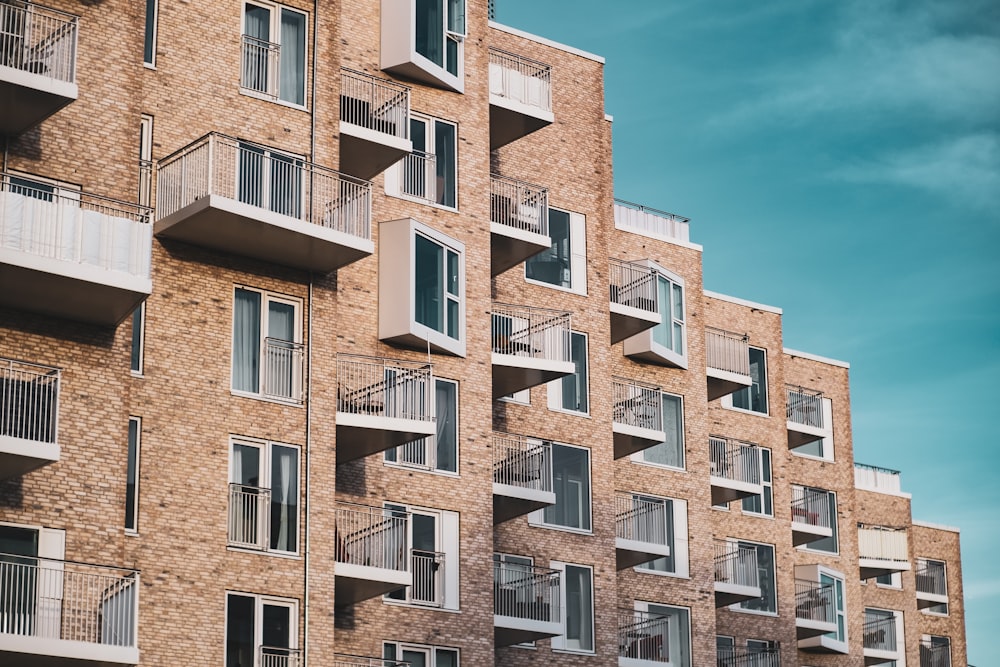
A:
{"x": 651, "y": 222}
{"x": 736, "y": 575}
{"x": 520, "y": 97}
{"x": 823, "y": 644}
{"x": 633, "y": 299}
{"x": 526, "y": 603}
{"x": 374, "y": 124}
{"x": 727, "y": 362}
{"x": 734, "y": 470}
{"x": 882, "y": 551}
{"x": 637, "y": 416}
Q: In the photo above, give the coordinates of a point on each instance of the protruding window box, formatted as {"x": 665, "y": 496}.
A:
{"x": 881, "y": 551}
{"x": 381, "y": 403}
{"x": 59, "y": 613}
{"x": 247, "y": 199}
{"x": 522, "y": 476}
{"x": 665, "y": 343}
{"x": 371, "y": 552}
{"x": 520, "y": 97}
{"x": 29, "y": 415}
{"x": 37, "y": 64}
{"x": 531, "y": 346}
{"x": 734, "y": 469}
{"x": 736, "y": 575}
{"x": 879, "y": 638}
{"x": 642, "y": 529}
{"x": 424, "y": 40}
{"x": 727, "y": 356}
{"x": 526, "y": 602}
{"x": 815, "y": 613}
{"x": 633, "y": 302}
{"x": 806, "y": 419}
{"x": 637, "y": 416}
{"x": 519, "y": 222}
{"x": 374, "y": 123}
{"x": 810, "y": 515}
{"x": 643, "y": 639}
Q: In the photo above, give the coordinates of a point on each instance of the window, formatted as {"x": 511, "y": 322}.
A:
{"x": 439, "y": 452}
{"x": 670, "y": 452}
{"x": 267, "y": 353}
{"x": 827, "y": 544}
{"x": 678, "y": 642}
{"x": 269, "y": 179}
{"x": 138, "y": 334}
{"x": 725, "y": 647}
{"x": 258, "y": 624}
{"x": 578, "y": 602}
{"x": 145, "y": 160}
{"x": 768, "y": 600}
{"x": 564, "y": 264}
{"x": 132, "y": 476}
{"x": 274, "y": 52}
{"x": 424, "y": 40}
{"x": 432, "y": 541}
{"x": 754, "y": 397}
{"x": 666, "y": 343}
{"x": 440, "y": 31}
{"x": 935, "y": 651}
{"x": 436, "y": 287}
{"x": 676, "y": 564}
{"x": 264, "y": 496}
{"x": 416, "y": 655}
{"x": 932, "y": 585}
{"x": 149, "y": 44}
{"x": 891, "y": 580}
{"x": 32, "y": 602}
{"x": 571, "y": 483}
{"x": 429, "y": 173}
{"x": 826, "y": 579}
{"x": 762, "y": 503}
{"x": 755, "y": 646}
{"x": 570, "y": 392}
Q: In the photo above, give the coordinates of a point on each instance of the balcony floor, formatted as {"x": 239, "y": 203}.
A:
{"x": 510, "y": 246}
{"x": 806, "y": 628}
{"x": 363, "y": 435}
{"x": 355, "y": 583}
{"x": 726, "y": 490}
{"x": 512, "y": 373}
{"x": 804, "y": 533}
{"x": 510, "y": 502}
{"x": 727, "y": 594}
{"x": 630, "y": 439}
{"x": 627, "y": 321}
{"x": 366, "y": 153}
{"x": 508, "y": 630}
{"x": 19, "y": 456}
{"x": 26, "y": 99}
{"x": 722, "y": 383}
{"x": 47, "y": 652}
{"x": 629, "y": 553}
{"x": 510, "y": 120}
{"x": 879, "y": 567}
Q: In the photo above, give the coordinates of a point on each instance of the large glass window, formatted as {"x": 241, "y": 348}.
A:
{"x": 754, "y": 397}
{"x": 430, "y": 172}
{"x": 274, "y": 52}
{"x": 762, "y": 503}
{"x": 678, "y": 644}
{"x": 570, "y": 392}
{"x": 256, "y": 624}
{"x": 664, "y": 563}
{"x": 132, "y": 476}
{"x": 432, "y": 542}
{"x": 264, "y": 496}
{"x": 438, "y": 452}
{"x": 564, "y": 263}
{"x": 670, "y": 452}
{"x": 436, "y": 287}
{"x": 267, "y": 355}
{"x": 571, "y": 483}
{"x": 840, "y": 634}
{"x": 768, "y": 600}
{"x": 440, "y": 31}
{"x": 670, "y": 331}
{"x": 269, "y": 179}
{"x": 578, "y": 601}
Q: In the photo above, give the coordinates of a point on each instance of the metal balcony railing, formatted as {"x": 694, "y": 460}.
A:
{"x": 874, "y": 478}
{"x": 931, "y": 577}
{"x": 283, "y": 370}
{"x": 650, "y": 221}
{"x": 68, "y": 601}
{"x": 274, "y": 656}
{"x": 371, "y": 536}
{"x": 385, "y": 387}
{"x": 811, "y": 506}
{"x": 882, "y": 543}
{"x": 879, "y": 632}
{"x": 519, "y": 205}
{"x": 815, "y": 602}
{"x": 419, "y": 176}
{"x": 641, "y": 519}
{"x": 632, "y": 285}
{"x": 29, "y": 401}
{"x": 727, "y": 351}
{"x": 520, "y": 462}
{"x": 538, "y": 333}
{"x": 934, "y": 654}
{"x": 637, "y": 404}
{"x": 39, "y": 40}
{"x": 526, "y": 592}
{"x": 258, "y": 176}
{"x": 520, "y": 79}
{"x": 805, "y": 406}
{"x": 374, "y": 103}
{"x": 261, "y": 66}
{"x": 249, "y": 517}
{"x": 746, "y": 657}
{"x": 345, "y": 660}
{"x": 74, "y": 226}
{"x": 734, "y": 460}
{"x": 643, "y": 636}
{"x": 428, "y": 578}
{"x": 736, "y": 564}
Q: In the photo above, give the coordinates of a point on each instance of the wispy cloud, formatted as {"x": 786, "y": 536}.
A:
{"x": 978, "y": 590}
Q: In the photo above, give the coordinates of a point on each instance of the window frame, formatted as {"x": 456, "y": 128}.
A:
{"x": 137, "y": 358}
{"x": 685, "y": 642}
{"x": 276, "y": 10}
{"x": 430, "y": 442}
{"x": 260, "y": 600}
{"x": 766, "y": 484}
{"x": 840, "y": 610}
{"x": 577, "y": 260}
{"x": 554, "y": 389}
{"x": 537, "y": 517}
{"x": 560, "y": 643}
{"x": 643, "y": 345}
{"x": 394, "y": 175}
{"x": 728, "y": 401}
{"x": 640, "y": 457}
{"x": 680, "y": 541}
{"x": 430, "y": 650}
{"x": 808, "y": 546}
{"x": 738, "y": 606}
{"x": 930, "y": 611}
{"x": 150, "y": 34}
{"x": 446, "y": 542}
{"x": 134, "y": 453}
{"x": 266, "y": 297}
{"x": 145, "y": 160}
{"x": 265, "y": 473}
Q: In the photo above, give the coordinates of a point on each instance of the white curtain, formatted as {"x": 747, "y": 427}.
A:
{"x": 246, "y": 341}
{"x": 292, "y": 81}
{"x": 284, "y": 490}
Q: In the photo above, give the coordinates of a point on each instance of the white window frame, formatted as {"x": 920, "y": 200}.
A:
{"x": 537, "y": 518}
{"x": 738, "y": 606}
{"x": 394, "y": 175}
{"x": 428, "y": 650}
{"x": 839, "y": 613}
{"x": 275, "y": 10}
{"x": 134, "y": 528}
{"x": 827, "y": 439}
{"x": 727, "y": 400}
{"x": 266, "y": 297}
{"x": 561, "y": 642}
{"x": 577, "y": 255}
{"x": 429, "y": 444}
{"x": 266, "y": 458}
{"x": 258, "y": 615}
{"x": 675, "y": 638}
{"x": 145, "y": 160}
{"x": 895, "y": 581}
{"x": 138, "y": 341}
{"x": 643, "y": 345}
{"x": 681, "y": 548}
{"x": 150, "y": 33}
{"x": 808, "y": 546}
{"x": 554, "y": 389}
{"x": 640, "y": 457}
{"x": 446, "y": 539}
{"x": 767, "y": 485}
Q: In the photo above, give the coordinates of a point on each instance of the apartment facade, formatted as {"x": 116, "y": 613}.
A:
{"x": 324, "y": 340}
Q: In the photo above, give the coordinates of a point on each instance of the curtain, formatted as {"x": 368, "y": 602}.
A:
{"x": 446, "y": 397}
{"x": 256, "y": 24}
{"x": 292, "y": 82}
{"x": 430, "y": 30}
{"x": 246, "y": 341}
{"x": 284, "y": 498}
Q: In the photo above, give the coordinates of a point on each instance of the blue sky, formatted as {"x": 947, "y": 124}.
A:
{"x": 839, "y": 159}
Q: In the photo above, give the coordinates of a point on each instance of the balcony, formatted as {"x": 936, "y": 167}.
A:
{"x": 642, "y": 529}
{"x": 344, "y": 660}
{"x": 805, "y": 417}
{"x": 637, "y": 416}
{"x": 810, "y": 515}
{"x": 72, "y": 254}
{"x": 531, "y": 346}
{"x": 879, "y": 636}
{"x": 749, "y": 657}
{"x": 526, "y": 603}
{"x": 520, "y": 97}
{"x": 882, "y": 551}
{"x": 727, "y": 357}
{"x": 519, "y": 222}
{"x": 250, "y": 200}
{"x": 633, "y": 299}
{"x": 815, "y": 611}
{"x": 60, "y": 613}
{"x": 932, "y": 583}
{"x": 249, "y": 517}
{"x": 276, "y": 656}
{"x": 643, "y": 639}
{"x": 879, "y": 480}
{"x": 522, "y": 476}
{"x": 381, "y": 403}
{"x": 734, "y": 469}
{"x": 935, "y": 652}
{"x": 29, "y": 415}
{"x": 651, "y": 222}
{"x": 736, "y": 575}
{"x": 374, "y": 123}
{"x": 370, "y": 551}
{"x": 37, "y": 64}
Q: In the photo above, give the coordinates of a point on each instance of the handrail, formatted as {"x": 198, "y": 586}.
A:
{"x": 879, "y": 632}
{"x": 734, "y": 460}
{"x": 651, "y": 222}
{"x": 641, "y": 518}
{"x": 517, "y": 461}
{"x": 633, "y": 285}
{"x": 428, "y": 577}
{"x": 249, "y": 516}
{"x": 736, "y": 564}
{"x": 30, "y": 400}
{"x": 649, "y": 209}
{"x": 931, "y": 577}
{"x": 882, "y": 543}
{"x": 347, "y": 660}
{"x": 815, "y": 601}
{"x": 519, "y": 205}
{"x": 804, "y": 406}
{"x": 811, "y": 506}
{"x": 520, "y": 79}
{"x": 283, "y": 370}
{"x": 637, "y": 404}
{"x": 277, "y": 656}
{"x": 382, "y": 387}
{"x": 526, "y": 592}
{"x": 39, "y": 39}
{"x": 749, "y": 657}
{"x": 374, "y": 103}
{"x": 727, "y": 351}
{"x": 527, "y": 331}
{"x": 371, "y": 536}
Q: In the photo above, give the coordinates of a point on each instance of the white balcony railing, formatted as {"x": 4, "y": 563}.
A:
{"x": 526, "y": 592}
{"x": 385, "y": 388}
{"x": 520, "y": 462}
{"x": 520, "y": 79}
{"x": 39, "y": 40}
{"x": 811, "y": 507}
{"x": 249, "y": 517}
{"x": 632, "y": 285}
{"x": 374, "y": 103}
{"x": 260, "y": 177}
{"x": 283, "y": 370}
{"x": 873, "y": 478}
{"x": 931, "y": 577}
{"x": 261, "y": 66}
{"x": 274, "y": 656}
{"x": 736, "y": 564}
{"x": 637, "y": 404}
{"x": 805, "y": 407}
{"x": 537, "y": 333}
{"x": 371, "y": 537}
{"x": 519, "y": 205}
{"x": 68, "y": 601}
{"x": 643, "y": 636}
{"x": 882, "y": 543}
{"x": 734, "y": 460}
{"x": 428, "y": 578}
{"x": 29, "y": 401}
{"x": 641, "y": 519}
{"x": 879, "y": 632}
{"x": 815, "y": 602}
{"x": 727, "y": 351}
{"x": 345, "y": 660}
{"x": 74, "y": 227}
{"x": 419, "y": 176}
{"x": 749, "y": 657}
{"x": 650, "y": 222}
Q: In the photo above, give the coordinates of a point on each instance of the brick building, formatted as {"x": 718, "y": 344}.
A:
{"x": 323, "y": 340}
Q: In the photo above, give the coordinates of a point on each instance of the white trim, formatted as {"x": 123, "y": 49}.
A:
{"x": 554, "y": 388}
{"x": 815, "y": 357}
{"x": 537, "y": 518}
{"x": 151, "y": 64}
{"x": 134, "y": 530}
{"x": 559, "y": 641}
{"x": 547, "y": 42}
{"x": 266, "y": 447}
{"x": 742, "y": 302}
{"x": 936, "y": 526}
